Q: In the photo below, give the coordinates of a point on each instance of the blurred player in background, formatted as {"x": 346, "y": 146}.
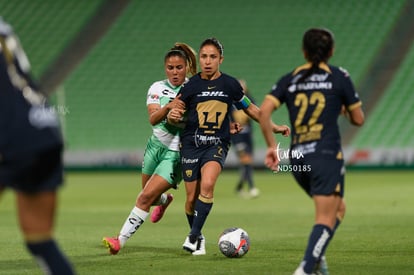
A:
{"x": 208, "y": 97}
{"x": 243, "y": 145}
{"x": 315, "y": 93}
{"x": 30, "y": 154}
{"x": 161, "y": 168}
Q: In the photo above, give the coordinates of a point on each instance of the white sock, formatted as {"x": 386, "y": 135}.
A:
{"x": 132, "y": 223}
{"x": 162, "y": 200}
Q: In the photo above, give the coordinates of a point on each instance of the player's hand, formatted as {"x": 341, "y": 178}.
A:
{"x": 175, "y": 115}
{"x": 344, "y": 112}
{"x": 272, "y": 160}
{"x": 176, "y": 103}
{"x": 235, "y": 128}
{"x": 282, "y": 129}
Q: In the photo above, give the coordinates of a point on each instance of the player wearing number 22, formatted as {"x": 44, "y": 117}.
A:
{"x": 205, "y": 140}
{"x": 315, "y": 94}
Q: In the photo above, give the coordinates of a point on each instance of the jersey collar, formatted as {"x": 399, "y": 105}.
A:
{"x": 308, "y": 65}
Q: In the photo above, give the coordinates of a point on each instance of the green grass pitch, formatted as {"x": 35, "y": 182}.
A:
{"x": 376, "y": 237}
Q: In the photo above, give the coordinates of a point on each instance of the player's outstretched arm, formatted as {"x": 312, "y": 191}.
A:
{"x": 266, "y": 125}
{"x": 281, "y": 129}
{"x": 355, "y": 115}
{"x": 254, "y": 112}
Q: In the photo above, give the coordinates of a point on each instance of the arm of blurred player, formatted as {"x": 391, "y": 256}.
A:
{"x": 235, "y": 128}
{"x": 271, "y": 158}
{"x": 355, "y": 116}
{"x": 254, "y": 112}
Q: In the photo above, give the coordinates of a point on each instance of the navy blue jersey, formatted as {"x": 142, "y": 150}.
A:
{"x": 27, "y": 123}
{"x": 314, "y": 107}
{"x": 208, "y": 104}
{"x": 30, "y": 141}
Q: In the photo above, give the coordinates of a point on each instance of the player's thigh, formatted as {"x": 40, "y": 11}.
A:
{"x": 170, "y": 168}
{"x": 217, "y": 153}
{"x": 33, "y": 172}
{"x": 326, "y": 207}
{"x": 302, "y": 178}
{"x": 327, "y": 177}
{"x": 156, "y": 185}
{"x": 36, "y": 186}
{"x": 209, "y": 174}
{"x": 144, "y": 179}
{"x": 151, "y": 158}
{"x": 36, "y": 213}
{"x": 190, "y": 163}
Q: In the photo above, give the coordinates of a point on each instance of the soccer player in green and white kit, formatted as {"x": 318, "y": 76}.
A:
{"x": 161, "y": 168}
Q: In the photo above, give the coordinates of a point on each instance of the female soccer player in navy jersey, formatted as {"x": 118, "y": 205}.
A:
{"x": 31, "y": 149}
{"x": 205, "y": 140}
{"x": 161, "y": 168}
{"x": 315, "y": 93}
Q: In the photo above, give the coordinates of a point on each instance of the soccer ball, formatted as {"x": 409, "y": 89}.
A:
{"x": 234, "y": 242}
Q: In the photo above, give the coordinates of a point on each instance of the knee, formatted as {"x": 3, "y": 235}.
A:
{"x": 144, "y": 199}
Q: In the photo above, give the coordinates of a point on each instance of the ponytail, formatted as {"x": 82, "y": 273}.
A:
{"x": 186, "y": 52}
{"x": 317, "y": 45}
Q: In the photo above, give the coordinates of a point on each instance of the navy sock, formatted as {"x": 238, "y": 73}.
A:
{"x": 249, "y": 175}
{"x": 201, "y": 211}
{"x": 242, "y": 173}
{"x": 337, "y": 224}
{"x": 50, "y": 258}
{"x": 190, "y": 219}
{"x": 317, "y": 244}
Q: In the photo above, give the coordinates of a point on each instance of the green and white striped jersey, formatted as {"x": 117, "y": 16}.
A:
{"x": 162, "y": 92}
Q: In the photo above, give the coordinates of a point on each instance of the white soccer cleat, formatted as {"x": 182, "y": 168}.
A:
{"x": 254, "y": 192}
{"x": 300, "y": 271}
{"x": 189, "y": 246}
{"x": 321, "y": 267}
{"x": 201, "y": 246}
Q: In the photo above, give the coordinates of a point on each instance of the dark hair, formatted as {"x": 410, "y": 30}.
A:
{"x": 213, "y": 41}
{"x": 187, "y": 53}
{"x": 317, "y": 44}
